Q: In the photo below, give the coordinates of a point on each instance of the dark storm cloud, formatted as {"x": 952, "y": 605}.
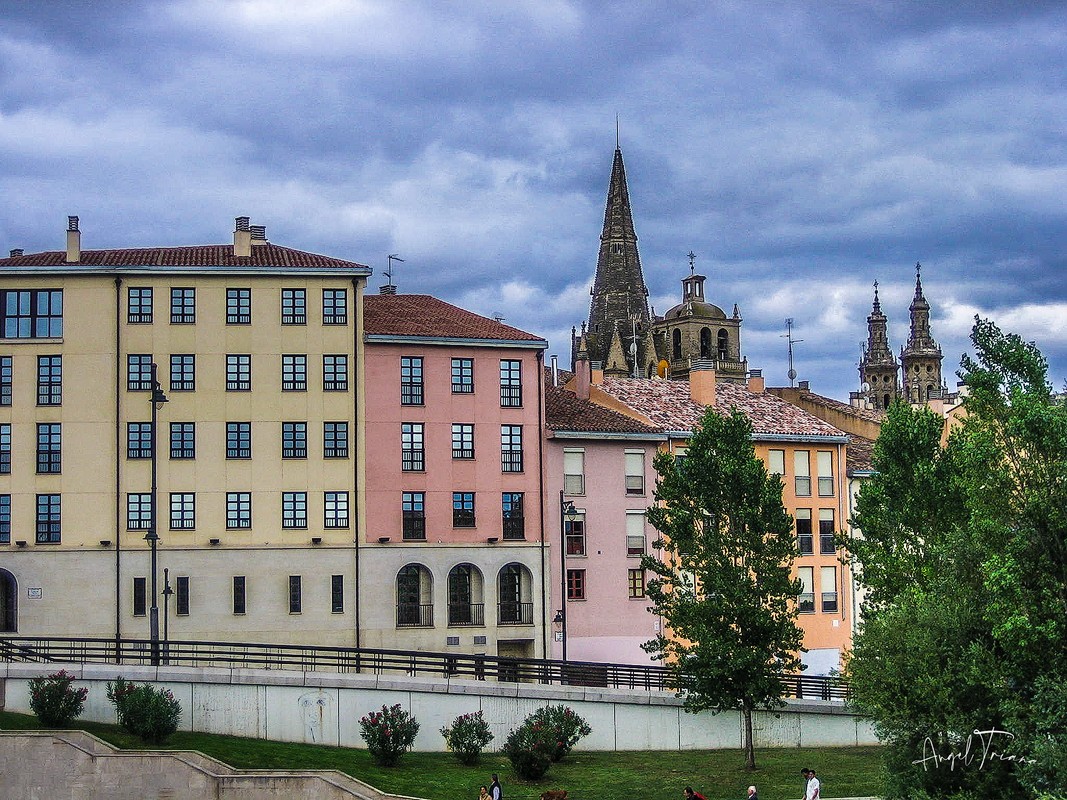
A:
{"x": 801, "y": 150}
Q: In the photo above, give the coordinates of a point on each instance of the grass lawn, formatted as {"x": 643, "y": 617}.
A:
{"x": 718, "y": 774}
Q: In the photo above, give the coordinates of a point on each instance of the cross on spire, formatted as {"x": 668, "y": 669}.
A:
{"x": 692, "y": 262}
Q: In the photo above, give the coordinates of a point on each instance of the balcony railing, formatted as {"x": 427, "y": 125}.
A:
{"x": 466, "y": 614}
{"x": 826, "y": 544}
{"x": 414, "y": 615}
{"x": 513, "y": 613}
{"x": 514, "y": 528}
{"x": 806, "y": 603}
{"x": 829, "y": 601}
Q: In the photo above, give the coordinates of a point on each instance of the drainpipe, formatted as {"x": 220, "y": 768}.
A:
{"x": 541, "y": 496}
{"x": 357, "y": 329}
{"x": 118, "y": 473}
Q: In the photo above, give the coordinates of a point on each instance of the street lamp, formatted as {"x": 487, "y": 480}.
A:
{"x": 152, "y": 537}
{"x": 567, "y": 513}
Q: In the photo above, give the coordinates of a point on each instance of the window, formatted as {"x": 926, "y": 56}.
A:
{"x": 335, "y": 373}
{"x": 181, "y": 595}
{"x": 32, "y": 313}
{"x": 828, "y": 587}
{"x": 182, "y": 440}
{"x": 294, "y": 440}
{"x": 510, "y": 384}
{"x": 411, "y": 442}
{"x": 139, "y": 304}
{"x": 705, "y": 343}
{"x": 806, "y": 601}
{"x": 462, "y": 376}
{"x": 336, "y": 505}
{"x": 183, "y": 372}
{"x": 776, "y": 462}
{"x": 238, "y": 594}
{"x": 414, "y": 515}
{"x": 294, "y": 373}
{"x": 139, "y": 511}
{"x": 49, "y": 448}
{"x": 723, "y": 340}
{"x": 635, "y": 472}
{"x": 635, "y": 580}
{"x": 576, "y": 584}
{"x": 511, "y": 609}
{"x": 511, "y": 448}
{"x": 462, "y": 440}
{"x": 335, "y": 440}
{"x": 238, "y": 440}
{"x": 294, "y": 307}
{"x": 513, "y": 515}
{"x": 635, "y": 534}
{"x": 824, "y": 463}
{"x": 462, "y": 509}
{"x": 676, "y": 344}
{"x": 337, "y": 594}
{"x": 414, "y": 599}
{"x": 238, "y": 373}
{"x": 805, "y": 540}
{"x": 138, "y": 372}
{"x": 573, "y": 471}
{"x": 5, "y": 519}
{"x": 410, "y": 381}
{"x": 49, "y": 519}
{"x": 294, "y": 594}
{"x": 6, "y": 372}
{"x": 5, "y": 448}
{"x": 826, "y": 532}
{"x": 238, "y": 306}
{"x": 574, "y": 535}
{"x": 464, "y": 596}
{"x": 49, "y": 381}
{"x": 294, "y": 509}
{"x": 802, "y": 473}
{"x": 182, "y": 306}
{"x": 182, "y": 511}
{"x": 334, "y": 306}
{"x": 138, "y": 440}
{"x": 238, "y": 510}
{"x": 140, "y": 597}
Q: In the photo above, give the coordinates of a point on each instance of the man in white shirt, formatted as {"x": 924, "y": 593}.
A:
{"x": 812, "y": 790}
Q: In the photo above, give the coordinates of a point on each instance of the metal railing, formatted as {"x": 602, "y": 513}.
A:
{"x": 310, "y": 658}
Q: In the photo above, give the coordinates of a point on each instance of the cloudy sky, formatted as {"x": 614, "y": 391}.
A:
{"x": 800, "y": 150}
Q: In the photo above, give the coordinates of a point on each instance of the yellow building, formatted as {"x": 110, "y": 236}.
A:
{"x": 259, "y": 445}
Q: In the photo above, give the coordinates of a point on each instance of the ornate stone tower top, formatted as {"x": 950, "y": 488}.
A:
{"x": 619, "y": 292}
{"x": 920, "y": 339}
{"x": 878, "y": 367}
{"x": 921, "y": 356}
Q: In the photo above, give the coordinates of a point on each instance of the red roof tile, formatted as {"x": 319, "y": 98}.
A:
{"x": 565, "y": 412}
{"x": 209, "y": 255}
{"x": 858, "y": 455}
{"x": 423, "y": 315}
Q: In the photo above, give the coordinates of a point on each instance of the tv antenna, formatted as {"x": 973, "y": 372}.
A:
{"x": 788, "y": 336}
{"x": 390, "y": 287}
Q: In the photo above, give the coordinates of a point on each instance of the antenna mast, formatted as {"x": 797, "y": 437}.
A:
{"x": 390, "y": 287}
{"x": 788, "y": 336}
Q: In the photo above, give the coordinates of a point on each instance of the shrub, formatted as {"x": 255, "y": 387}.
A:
{"x": 529, "y": 748}
{"x": 566, "y": 726}
{"x": 149, "y": 713}
{"x": 54, "y": 699}
{"x": 389, "y": 733}
{"x": 467, "y": 736}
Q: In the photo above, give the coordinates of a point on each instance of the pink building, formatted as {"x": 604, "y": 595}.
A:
{"x": 454, "y": 557}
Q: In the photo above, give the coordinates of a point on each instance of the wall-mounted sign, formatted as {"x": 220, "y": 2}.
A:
{"x": 34, "y": 592}
{"x": 559, "y": 636}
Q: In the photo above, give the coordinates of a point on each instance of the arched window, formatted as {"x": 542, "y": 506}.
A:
{"x": 705, "y": 343}
{"x": 676, "y": 341}
{"x": 514, "y": 595}
{"x": 9, "y": 593}
{"x": 414, "y": 597}
{"x": 465, "y": 606}
{"x": 724, "y": 344}
{"x": 929, "y": 392}
{"x": 885, "y": 402}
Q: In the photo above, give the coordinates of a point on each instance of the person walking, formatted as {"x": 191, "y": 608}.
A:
{"x": 691, "y": 795}
{"x": 752, "y": 793}
{"x": 814, "y": 788}
{"x": 495, "y": 792}
{"x": 484, "y": 793}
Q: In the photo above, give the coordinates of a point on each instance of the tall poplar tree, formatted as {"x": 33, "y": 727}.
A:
{"x": 722, "y": 577}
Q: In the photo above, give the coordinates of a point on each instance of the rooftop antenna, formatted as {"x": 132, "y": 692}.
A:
{"x": 498, "y": 316}
{"x": 788, "y": 336}
{"x": 389, "y": 287}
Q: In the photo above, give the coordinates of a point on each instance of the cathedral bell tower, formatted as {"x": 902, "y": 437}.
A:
{"x": 878, "y": 367}
{"x": 920, "y": 358}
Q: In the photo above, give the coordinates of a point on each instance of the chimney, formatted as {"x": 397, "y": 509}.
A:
{"x": 702, "y": 382}
{"x": 555, "y": 370}
{"x": 16, "y": 252}
{"x": 74, "y": 241}
{"x": 755, "y": 380}
{"x": 596, "y": 373}
{"x": 259, "y": 233}
{"x": 582, "y": 375}
{"x": 803, "y": 386}
{"x": 387, "y": 288}
{"x": 242, "y": 238}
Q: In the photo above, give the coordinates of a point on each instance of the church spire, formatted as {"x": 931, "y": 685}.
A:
{"x": 878, "y": 367}
{"x": 619, "y": 292}
{"x": 921, "y": 356}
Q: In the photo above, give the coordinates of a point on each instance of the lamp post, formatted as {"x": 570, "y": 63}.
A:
{"x": 567, "y": 513}
{"x": 152, "y": 537}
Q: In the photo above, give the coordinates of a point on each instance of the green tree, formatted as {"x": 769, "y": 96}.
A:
{"x": 963, "y": 556}
{"x": 722, "y": 582}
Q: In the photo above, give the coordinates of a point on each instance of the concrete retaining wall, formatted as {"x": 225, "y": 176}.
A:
{"x": 325, "y": 708}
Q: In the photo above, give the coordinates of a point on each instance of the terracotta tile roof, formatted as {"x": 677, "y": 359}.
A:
{"x": 423, "y": 315}
{"x": 209, "y": 255}
{"x": 668, "y": 405}
{"x": 858, "y": 455}
{"x": 565, "y": 412}
{"x": 845, "y": 408}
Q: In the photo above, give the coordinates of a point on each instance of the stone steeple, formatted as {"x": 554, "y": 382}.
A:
{"x": 920, "y": 358}
{"x": 878, "y": 367}
{"x": 619, "y": 292}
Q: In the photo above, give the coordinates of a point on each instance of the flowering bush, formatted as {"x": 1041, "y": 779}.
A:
{"x": 389, "y": 733}
{"x": 566, "y": 727}
{"x": 467, "y": 736}
{"x": 529, "y": 748}
{"x": 147, "y": 712}
{"x": 54, "y": 699}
